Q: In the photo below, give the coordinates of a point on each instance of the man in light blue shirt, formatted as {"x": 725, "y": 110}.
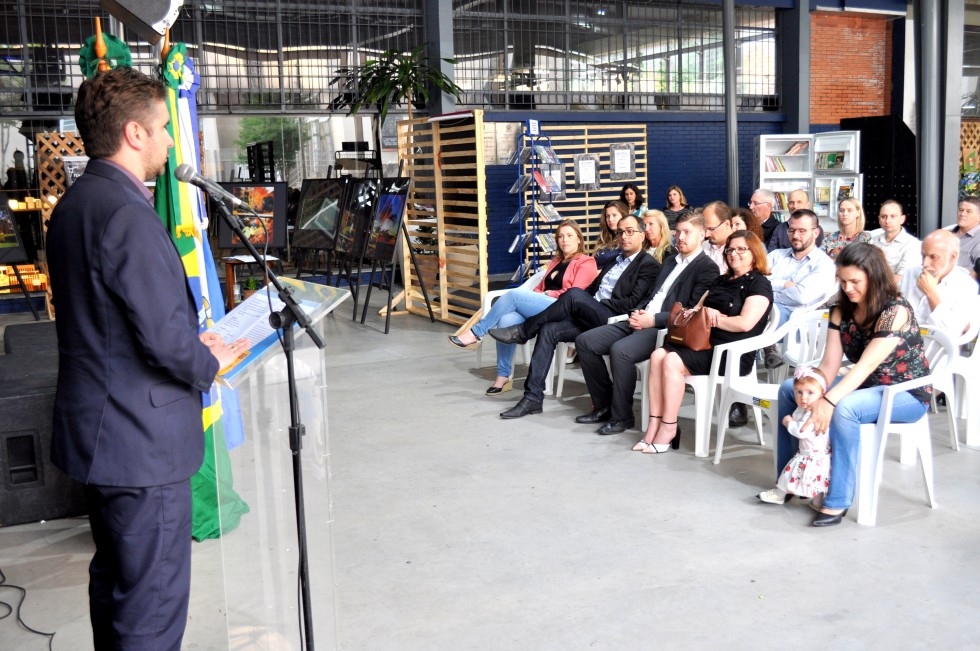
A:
{"x": 802, "y": 276}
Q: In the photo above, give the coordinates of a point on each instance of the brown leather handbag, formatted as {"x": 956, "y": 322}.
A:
{"x": 689, "y": 328}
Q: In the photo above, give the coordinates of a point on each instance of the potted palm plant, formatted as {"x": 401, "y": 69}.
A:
{"x": 390, "y": 80}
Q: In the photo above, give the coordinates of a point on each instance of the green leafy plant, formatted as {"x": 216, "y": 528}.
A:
{"x": 390, "y": 80}
{"x": 251, "y": 284}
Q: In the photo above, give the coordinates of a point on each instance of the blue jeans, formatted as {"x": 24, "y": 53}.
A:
{"x": 509, "y": 310}
{"x": 860, "y": 407}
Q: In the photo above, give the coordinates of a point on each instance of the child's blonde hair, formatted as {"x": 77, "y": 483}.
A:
{"x": 808, "y": 375}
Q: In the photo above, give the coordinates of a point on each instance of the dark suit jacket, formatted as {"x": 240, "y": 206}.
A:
{"x": 632, "y": 287}
{"x": 689, "y": 286}
{"x": 131, "y": 366}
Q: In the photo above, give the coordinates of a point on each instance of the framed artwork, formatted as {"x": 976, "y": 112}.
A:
{"x": 264, "y": 219}
{"x": 318, "y": 215}
{"x": 387, "y": 220}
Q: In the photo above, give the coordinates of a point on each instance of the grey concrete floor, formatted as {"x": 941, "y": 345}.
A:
{"x": 454, "y": 529}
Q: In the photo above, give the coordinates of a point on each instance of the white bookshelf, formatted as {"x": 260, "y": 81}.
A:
{"x": 826, "y": 165}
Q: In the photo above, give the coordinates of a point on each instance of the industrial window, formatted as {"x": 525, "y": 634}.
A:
{"x": 279, "y": 56}
{"x": 558, "y": 54}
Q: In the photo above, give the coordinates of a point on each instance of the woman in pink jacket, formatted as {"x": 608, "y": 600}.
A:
{"x": 570, "y": 267}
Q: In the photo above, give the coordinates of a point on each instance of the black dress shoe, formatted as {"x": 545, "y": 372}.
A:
{"x": 615, "y": 427}
{"x": 594, "y": 416}
{"x": 827, "y": 520}
{"x": 738, "y": 416}
{"x": 511, "y": 335}
{"x": 522, "y": 408}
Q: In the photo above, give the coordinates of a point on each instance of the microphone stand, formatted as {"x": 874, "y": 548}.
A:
{"x": 283, "y": 320}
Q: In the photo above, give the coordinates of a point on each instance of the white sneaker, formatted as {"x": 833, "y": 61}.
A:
{"x": 774, "y": 496}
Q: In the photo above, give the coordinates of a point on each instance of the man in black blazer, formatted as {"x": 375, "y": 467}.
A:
{"x": 684, "y": 277}
{"x": 621, "y": 285}
{"x": 128, "y": 414}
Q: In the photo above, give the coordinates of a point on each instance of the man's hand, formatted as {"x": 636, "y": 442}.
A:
{"x": 640, "y": 319}
{"x": 225, "y": 354}
{"x": 929, "y": 286}
{"x": 788, "y": 284}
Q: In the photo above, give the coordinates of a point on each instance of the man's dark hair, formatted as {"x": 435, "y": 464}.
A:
{"x": 971, "y": 199}
{"x": 108, "y": 101}
{"x": 806, "y": 212}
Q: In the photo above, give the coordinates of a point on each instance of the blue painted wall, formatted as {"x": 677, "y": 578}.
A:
{"x": 683, "y": 149}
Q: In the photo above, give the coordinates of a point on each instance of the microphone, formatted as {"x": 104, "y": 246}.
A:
{"x": 188, "y": 174}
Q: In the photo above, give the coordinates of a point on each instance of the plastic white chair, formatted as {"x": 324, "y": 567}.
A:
{"x": 803, "y": 345}
{"x": 942, "y": 353}
{"x": 966, "y": 375}
{"x": 964, "y": 387}
{"x": 703, "y": 387}
{"x": 490, "y": 297}
{"x": 746, "y": 389}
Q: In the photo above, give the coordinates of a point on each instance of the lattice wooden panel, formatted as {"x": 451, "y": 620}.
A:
{"x": 969, "y": 139}
{"x": 51, "y": 147}
{"x": 445, "y": 161}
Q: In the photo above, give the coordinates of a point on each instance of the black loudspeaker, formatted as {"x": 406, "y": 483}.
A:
{"x": 31, "y": 487}
{"x": 148, "y": 18}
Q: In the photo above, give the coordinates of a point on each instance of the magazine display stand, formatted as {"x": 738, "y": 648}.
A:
{"x": 259, "y": 561}
{"x": 540, "y": 182}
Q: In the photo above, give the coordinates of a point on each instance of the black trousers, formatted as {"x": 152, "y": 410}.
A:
{"x": 573, "y": 313}
{"x": 625, "y": 348}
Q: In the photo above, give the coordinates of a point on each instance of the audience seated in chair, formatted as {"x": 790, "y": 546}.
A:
{"x": 738, "y": 307}
{"x": 570, "y": 267}
{"x": 624, "y": 283}
{"x": 683, "y": 278}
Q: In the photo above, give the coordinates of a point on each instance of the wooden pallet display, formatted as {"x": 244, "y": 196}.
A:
{"x": 51, "y": 147}
{"x": 569, "y": 140}
{"x": 444, "y": 158}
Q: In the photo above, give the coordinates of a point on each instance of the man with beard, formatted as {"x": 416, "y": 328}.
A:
{"x": 127, "y": 417}
{"x": 941, "y": 293}
{"x": 802, "y": 275}
{"x": 684, "y": 277}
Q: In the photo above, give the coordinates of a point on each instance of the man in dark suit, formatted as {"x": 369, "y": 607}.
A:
{"x": 128, "y": 415}
{"x": 684, "y": 277}
{"x": 622, "y": 284}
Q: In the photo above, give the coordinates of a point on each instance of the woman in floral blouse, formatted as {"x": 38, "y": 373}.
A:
{"x": 874, "y": 326}
{"x": 850, "y": 221}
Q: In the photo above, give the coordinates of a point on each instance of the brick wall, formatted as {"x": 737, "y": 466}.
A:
{"x": 850, "y": 66}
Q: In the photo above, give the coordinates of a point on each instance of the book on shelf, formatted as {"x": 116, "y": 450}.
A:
{"x": 822, "y": 194}
{"x": 830, "y": 160}
{"x": 797, "y": 148}
{"x": 547, "y": 212}
{"x": 774, "y": 164}
{"x": 547, "y": 243}
{"x": 521, "y": 240}
{"x": 546, "y": 154}
{"x": 522, "y": 213}
{"x": 521, "y": 184}
{"x": 546, "y": 182}
{"x": 843, "y": 192}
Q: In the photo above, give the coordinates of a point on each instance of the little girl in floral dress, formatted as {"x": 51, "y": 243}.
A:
{"x": 808, "y": 473}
